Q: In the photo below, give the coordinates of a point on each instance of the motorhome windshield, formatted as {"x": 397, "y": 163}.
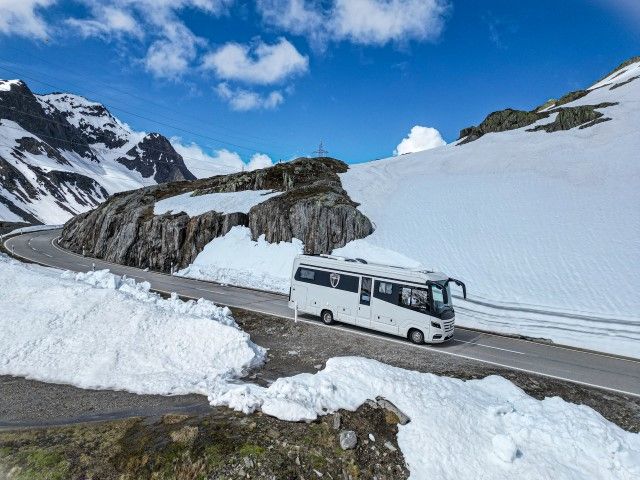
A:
{"x": 441, "y": 296}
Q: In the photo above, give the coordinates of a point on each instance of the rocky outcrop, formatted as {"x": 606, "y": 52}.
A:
{"x": 313, "y": 207}
{"x": 500, "y": 121}
{"x": 583, "y": 116}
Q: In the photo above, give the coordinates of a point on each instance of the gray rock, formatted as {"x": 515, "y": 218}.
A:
{"x": 348, "y": 440}
{"x": 337, "y": 420}
{"x": 500, "y": 121}
{"x": 312, "y": 207}
{"x": 403, "y": 419}
{"x": 390, "y": 446}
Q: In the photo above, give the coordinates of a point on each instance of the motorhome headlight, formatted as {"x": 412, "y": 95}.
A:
{"x": 436, "y": 325}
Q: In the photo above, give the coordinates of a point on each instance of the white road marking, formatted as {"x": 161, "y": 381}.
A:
{"x": 488, "y": 346}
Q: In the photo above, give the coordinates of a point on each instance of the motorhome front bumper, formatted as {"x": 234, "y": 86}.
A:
{"x": 444, "y": 333}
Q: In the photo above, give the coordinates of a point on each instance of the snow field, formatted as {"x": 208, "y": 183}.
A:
{"x": 487, "y": 428}
{"x": 225, "y": 202}
{"x": 101, "y": 331}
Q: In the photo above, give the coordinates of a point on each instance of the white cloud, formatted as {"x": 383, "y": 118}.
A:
{"x": 367, "y": 22}
{"x": 261, "y": 63}
{"x": 112, "y": 21}
{"x": 242, "y": 100}
{"x": 420, "y": 138}
{"x": 299, "y": 17}
{"x": 171, "y": 56}
{"x": 21, "y": 17}
{"x": 259, "y": 160}
{"x": 381, "y": 21}
{"x": 172, "y": 46}
{"x": 219, "y": 162}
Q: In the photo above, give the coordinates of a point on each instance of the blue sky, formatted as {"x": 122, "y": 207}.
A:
{"x": 277, "y": 76}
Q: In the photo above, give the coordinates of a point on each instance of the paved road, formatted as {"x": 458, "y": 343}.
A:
{"x": 587, "y": 368}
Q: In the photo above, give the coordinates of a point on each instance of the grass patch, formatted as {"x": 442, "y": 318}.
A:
{"x": 250, "y": 449}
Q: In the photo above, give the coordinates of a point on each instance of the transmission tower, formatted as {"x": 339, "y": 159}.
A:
{"x": 321, "y": 152}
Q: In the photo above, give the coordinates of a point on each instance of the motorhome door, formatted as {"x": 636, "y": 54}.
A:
{"x": 364, "y": 306}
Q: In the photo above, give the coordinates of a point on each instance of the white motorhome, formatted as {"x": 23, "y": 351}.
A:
{"x": 414, "y": 304}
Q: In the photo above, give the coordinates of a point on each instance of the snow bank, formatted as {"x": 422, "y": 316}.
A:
{"x": 97, "y": 330}
{"x": 226, "y": 202}
{"x": 459, "y": 429}
{"x": 236, "y": 259}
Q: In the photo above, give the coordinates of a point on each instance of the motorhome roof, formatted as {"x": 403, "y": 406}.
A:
{"x": 431, "y": 275}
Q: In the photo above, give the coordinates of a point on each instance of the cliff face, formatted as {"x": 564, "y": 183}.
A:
{"x": 313, "y": 208}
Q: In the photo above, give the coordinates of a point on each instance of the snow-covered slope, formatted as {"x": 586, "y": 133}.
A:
{"x": 543, "y": 226}
{"x": 529, "y": 219}
{"x": 61, "y": 154}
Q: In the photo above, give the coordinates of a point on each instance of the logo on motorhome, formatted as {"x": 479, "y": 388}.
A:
{"x": 334, "y": 278}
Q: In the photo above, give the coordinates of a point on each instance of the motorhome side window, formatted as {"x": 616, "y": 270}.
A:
{"x": 414, "y": 298}
{"x": 386, "y": 288}
{"x": 307, "y": 274}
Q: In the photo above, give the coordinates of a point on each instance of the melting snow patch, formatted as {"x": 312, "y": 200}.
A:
{"x": 458, "y": 428}
{"x": 236, "y": 259}
{"x": 226, "y": 202}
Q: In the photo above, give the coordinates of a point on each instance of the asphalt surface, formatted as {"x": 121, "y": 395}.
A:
{"x": 618, "y": 374}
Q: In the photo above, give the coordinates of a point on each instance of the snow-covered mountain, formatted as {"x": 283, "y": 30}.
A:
{"x": 61, "y": 154}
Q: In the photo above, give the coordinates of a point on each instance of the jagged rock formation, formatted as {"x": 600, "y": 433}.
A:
{"x": 61, "y": 154}
{"x": 313, "y": 208}
{"x": 582, "y": 116}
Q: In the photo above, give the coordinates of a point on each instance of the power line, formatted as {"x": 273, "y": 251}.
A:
{"x": 235, "y": 145}
{"x": 111, "y": 87}
{"x": 133, "y": 95}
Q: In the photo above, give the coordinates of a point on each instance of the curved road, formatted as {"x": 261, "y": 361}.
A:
{"x": 604, "y": 371}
